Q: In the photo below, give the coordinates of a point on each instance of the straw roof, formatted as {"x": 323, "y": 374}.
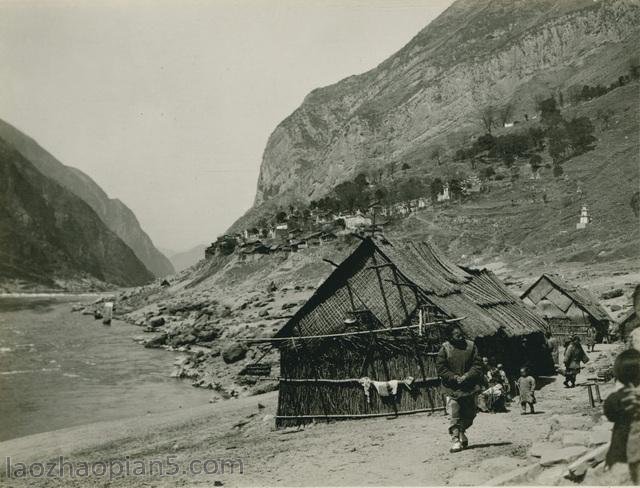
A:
{"x": 392, "y": 279}
{"x": 580, "y": 296}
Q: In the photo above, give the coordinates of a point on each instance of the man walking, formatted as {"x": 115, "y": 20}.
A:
{"x": 461, "y": 370}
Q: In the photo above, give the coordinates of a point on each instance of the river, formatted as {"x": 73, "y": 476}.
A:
{"x": 60, "y": 369}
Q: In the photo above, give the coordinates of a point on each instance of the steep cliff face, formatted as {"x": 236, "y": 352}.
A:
{"x": 48, "y": 234}
{"x": 477, "y": 52}
{"x": 115, "y": 214}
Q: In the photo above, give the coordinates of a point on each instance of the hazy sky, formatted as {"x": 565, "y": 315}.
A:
{"x": 168, "y": 105}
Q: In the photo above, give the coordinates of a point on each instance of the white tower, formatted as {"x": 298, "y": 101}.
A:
{"x": 584, "y": 218}
{"x": 441, "y": 197}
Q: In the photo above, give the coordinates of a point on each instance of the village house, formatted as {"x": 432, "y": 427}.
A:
{"x": 355, "y": 221}
{"x": 314, "y": 239}
{"x": 251, "y": 234}
{"x": 364, "y": 344}
{"x": 294, "y": 234}
{"x": 280, "y": 231}
{"x": 327, "y": 237}
{"x": 568, "y": 309}
{"x": 472, "y": 184}
{"x": 253, "y": 249}
{"x": 422, "y": 203}
{"x": 324, "y": 218}
{"x": 444, "y": 196}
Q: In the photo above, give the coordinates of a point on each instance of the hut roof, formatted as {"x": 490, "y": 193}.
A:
{"x": 580, "y": 296}
{"x": 370, "y": 278}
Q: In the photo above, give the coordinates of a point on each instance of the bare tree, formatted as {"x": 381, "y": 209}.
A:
{"x": 436, "y": 154}
{"x": 506, "y": 112}
{"x": 487, "y": 115}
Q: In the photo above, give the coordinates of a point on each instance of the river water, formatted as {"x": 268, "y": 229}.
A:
{"x": 59, "y": 369}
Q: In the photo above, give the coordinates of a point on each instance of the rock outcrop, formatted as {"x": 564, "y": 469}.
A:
{"x": 477, "y": 52}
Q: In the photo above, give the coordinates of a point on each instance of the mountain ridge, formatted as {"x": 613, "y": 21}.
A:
{"x": 51, "y": 237}
{"x": 112, "y": 211}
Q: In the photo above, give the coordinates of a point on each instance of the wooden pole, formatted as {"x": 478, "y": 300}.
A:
{"x": 384, "y": 295}
{"x": 360, "y": 415}
{"x": 343, "y": 334}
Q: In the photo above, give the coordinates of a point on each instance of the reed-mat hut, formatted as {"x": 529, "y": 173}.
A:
{"x": 381, "y": 317}
{"x": 567, "y": 308}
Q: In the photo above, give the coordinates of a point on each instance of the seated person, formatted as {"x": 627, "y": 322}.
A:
{"x": 493, "y": 398}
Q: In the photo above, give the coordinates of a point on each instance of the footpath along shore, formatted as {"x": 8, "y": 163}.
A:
{"x": 411, "y": 450}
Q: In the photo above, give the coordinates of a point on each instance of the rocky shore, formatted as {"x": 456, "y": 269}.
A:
{"x": 206, "y": 312}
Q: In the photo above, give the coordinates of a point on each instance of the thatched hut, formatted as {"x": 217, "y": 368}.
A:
{"x": 381, "y": 316}
{"x": 567, "y": 308}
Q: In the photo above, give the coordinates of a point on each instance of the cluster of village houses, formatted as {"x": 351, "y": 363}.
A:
{"x": 286, "y": 238}
{"x": 325, "y": 226}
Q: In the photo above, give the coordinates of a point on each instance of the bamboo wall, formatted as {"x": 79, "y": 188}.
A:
{"x": 379, "y": 359}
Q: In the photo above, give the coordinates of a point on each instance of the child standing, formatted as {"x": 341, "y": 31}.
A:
{"x": 526, "y": 388}
{"x": 622, "y": 408}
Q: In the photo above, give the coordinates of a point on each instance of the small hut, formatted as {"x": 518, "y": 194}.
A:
{"x": 365, "y": 342}
{"x": 567, "y": 308}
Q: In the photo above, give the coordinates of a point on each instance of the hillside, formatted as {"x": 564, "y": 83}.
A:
{"x": 115, "y": 214}
{"x": 528, "y": 221}
{"x": 504, "y": 54}
{"x": 186, "y": 259}
{"x": 51, "y": 238}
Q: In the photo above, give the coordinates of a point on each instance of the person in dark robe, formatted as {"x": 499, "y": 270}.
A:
{"x": 462, "y": 373}
{"x": 574, "y": 355}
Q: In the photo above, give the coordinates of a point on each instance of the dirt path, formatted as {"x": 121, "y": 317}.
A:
{"x": 411, "y": 450}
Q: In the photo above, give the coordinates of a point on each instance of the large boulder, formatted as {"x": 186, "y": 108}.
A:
{"x": 157, "y": 341}
{"x": 608, "y": 295}
{"x": 208, "y": 334}
{"x": 157, "y": 322}
{"x": 182, "y": 340}
{"x": 234, "y": 352}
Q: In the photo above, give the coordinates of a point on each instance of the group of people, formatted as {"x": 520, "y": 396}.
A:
{"x": 496, "y": 388}
{"x": 470, "y": 381}
{"x": 574, "y": 356}
{"x": 466, "y": 375}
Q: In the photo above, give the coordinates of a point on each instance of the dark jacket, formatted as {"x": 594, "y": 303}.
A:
{"x": 453, "y": 362}
{"x": 573, "y": 356}
{"x": 614, "y": 410}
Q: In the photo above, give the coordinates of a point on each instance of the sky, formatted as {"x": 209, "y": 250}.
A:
{"x": 168, "y": 105}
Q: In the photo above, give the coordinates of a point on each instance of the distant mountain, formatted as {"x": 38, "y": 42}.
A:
{"x": 186, "y": 259}
{"x": 48, "y": 235}
{"x": 115, "y": 214}
{"x": 430, "y": 93}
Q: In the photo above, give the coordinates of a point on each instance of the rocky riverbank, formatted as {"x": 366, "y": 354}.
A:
{"x": 208, "y": 311}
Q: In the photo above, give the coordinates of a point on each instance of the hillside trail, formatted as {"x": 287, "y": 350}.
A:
{"x": 409, "y": 450}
